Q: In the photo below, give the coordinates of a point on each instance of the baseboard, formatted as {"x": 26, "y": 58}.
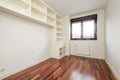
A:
{"x": 113, "y": 70}
{"x": 20, "y": 69}
{"x": 87, "y": 56}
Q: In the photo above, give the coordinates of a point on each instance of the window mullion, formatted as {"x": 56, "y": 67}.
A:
{"x": 81, "y": 29}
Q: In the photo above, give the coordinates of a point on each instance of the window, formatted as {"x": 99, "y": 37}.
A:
{"x": 84, "y": 28}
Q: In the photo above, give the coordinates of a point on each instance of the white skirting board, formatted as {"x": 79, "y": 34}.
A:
{"x": 113, "y": 71}
{"x": 20, "y": 69}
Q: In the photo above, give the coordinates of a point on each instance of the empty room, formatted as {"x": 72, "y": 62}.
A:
{"x": 59, "y": 39}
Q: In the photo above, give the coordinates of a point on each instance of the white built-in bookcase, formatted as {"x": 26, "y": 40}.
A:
{"x": 36, "y": 11}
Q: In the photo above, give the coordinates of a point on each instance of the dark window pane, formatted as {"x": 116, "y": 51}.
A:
{"x": 76, "y": 30}
{"x": 84, "y": 28}
{"x": 89, "y": 29}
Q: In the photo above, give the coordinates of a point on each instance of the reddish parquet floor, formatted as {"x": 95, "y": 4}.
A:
{"x": 67, "y": 68}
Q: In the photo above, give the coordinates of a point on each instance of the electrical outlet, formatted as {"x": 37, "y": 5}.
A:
{"x": 2, "y": 69}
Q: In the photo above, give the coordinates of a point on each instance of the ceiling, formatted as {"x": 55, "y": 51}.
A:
{"x": 72, "y": 7}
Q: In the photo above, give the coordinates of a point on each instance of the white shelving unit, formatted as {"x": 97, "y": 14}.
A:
{"x": 59, "y": 29}
{"x": 42, "y": 10}
{"x": 39, "y": 6}
{"x": 51, "y": 14}
{"x": 51, "y": 18}
{"x": 59, "y": 38}
{"x": 34, "y": 10}
{"x": 51, "y": 21}
{"x": 37, "y": 11}
{"x": 19, "y": 6}
{"x": 38, "y": 15}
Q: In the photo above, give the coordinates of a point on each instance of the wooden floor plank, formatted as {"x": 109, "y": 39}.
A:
{"x": 67, "y": 68}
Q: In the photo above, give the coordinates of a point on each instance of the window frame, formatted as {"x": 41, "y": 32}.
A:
{"x": 82, "y": 19}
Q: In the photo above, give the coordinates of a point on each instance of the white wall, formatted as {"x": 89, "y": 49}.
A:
{"x": 22, "y": 43}
{"x": 96, "y": 47}
{"x": 113, "y": 35}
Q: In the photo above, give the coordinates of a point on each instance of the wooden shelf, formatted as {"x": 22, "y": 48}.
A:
{"x": 42, "y": 10}
{"x": 58, "y": 24}
{"x": 39, "y": 3}
{"x": 59, "y": 21}
{"x": 51, "y": 21}
{"x": 58, "y": 17}
{"x": 59, "y": 37}
{"x": 28, "y": 2}
{"x": 22, "y": 2}
{"x": 59, "y": 33}
{"x": 18, "y": 6}
{"x": 51, "y": 13}
{"x": 59, "y": 28}
{"x": 38, "y": 15}
{"x": 51, "y": 17}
